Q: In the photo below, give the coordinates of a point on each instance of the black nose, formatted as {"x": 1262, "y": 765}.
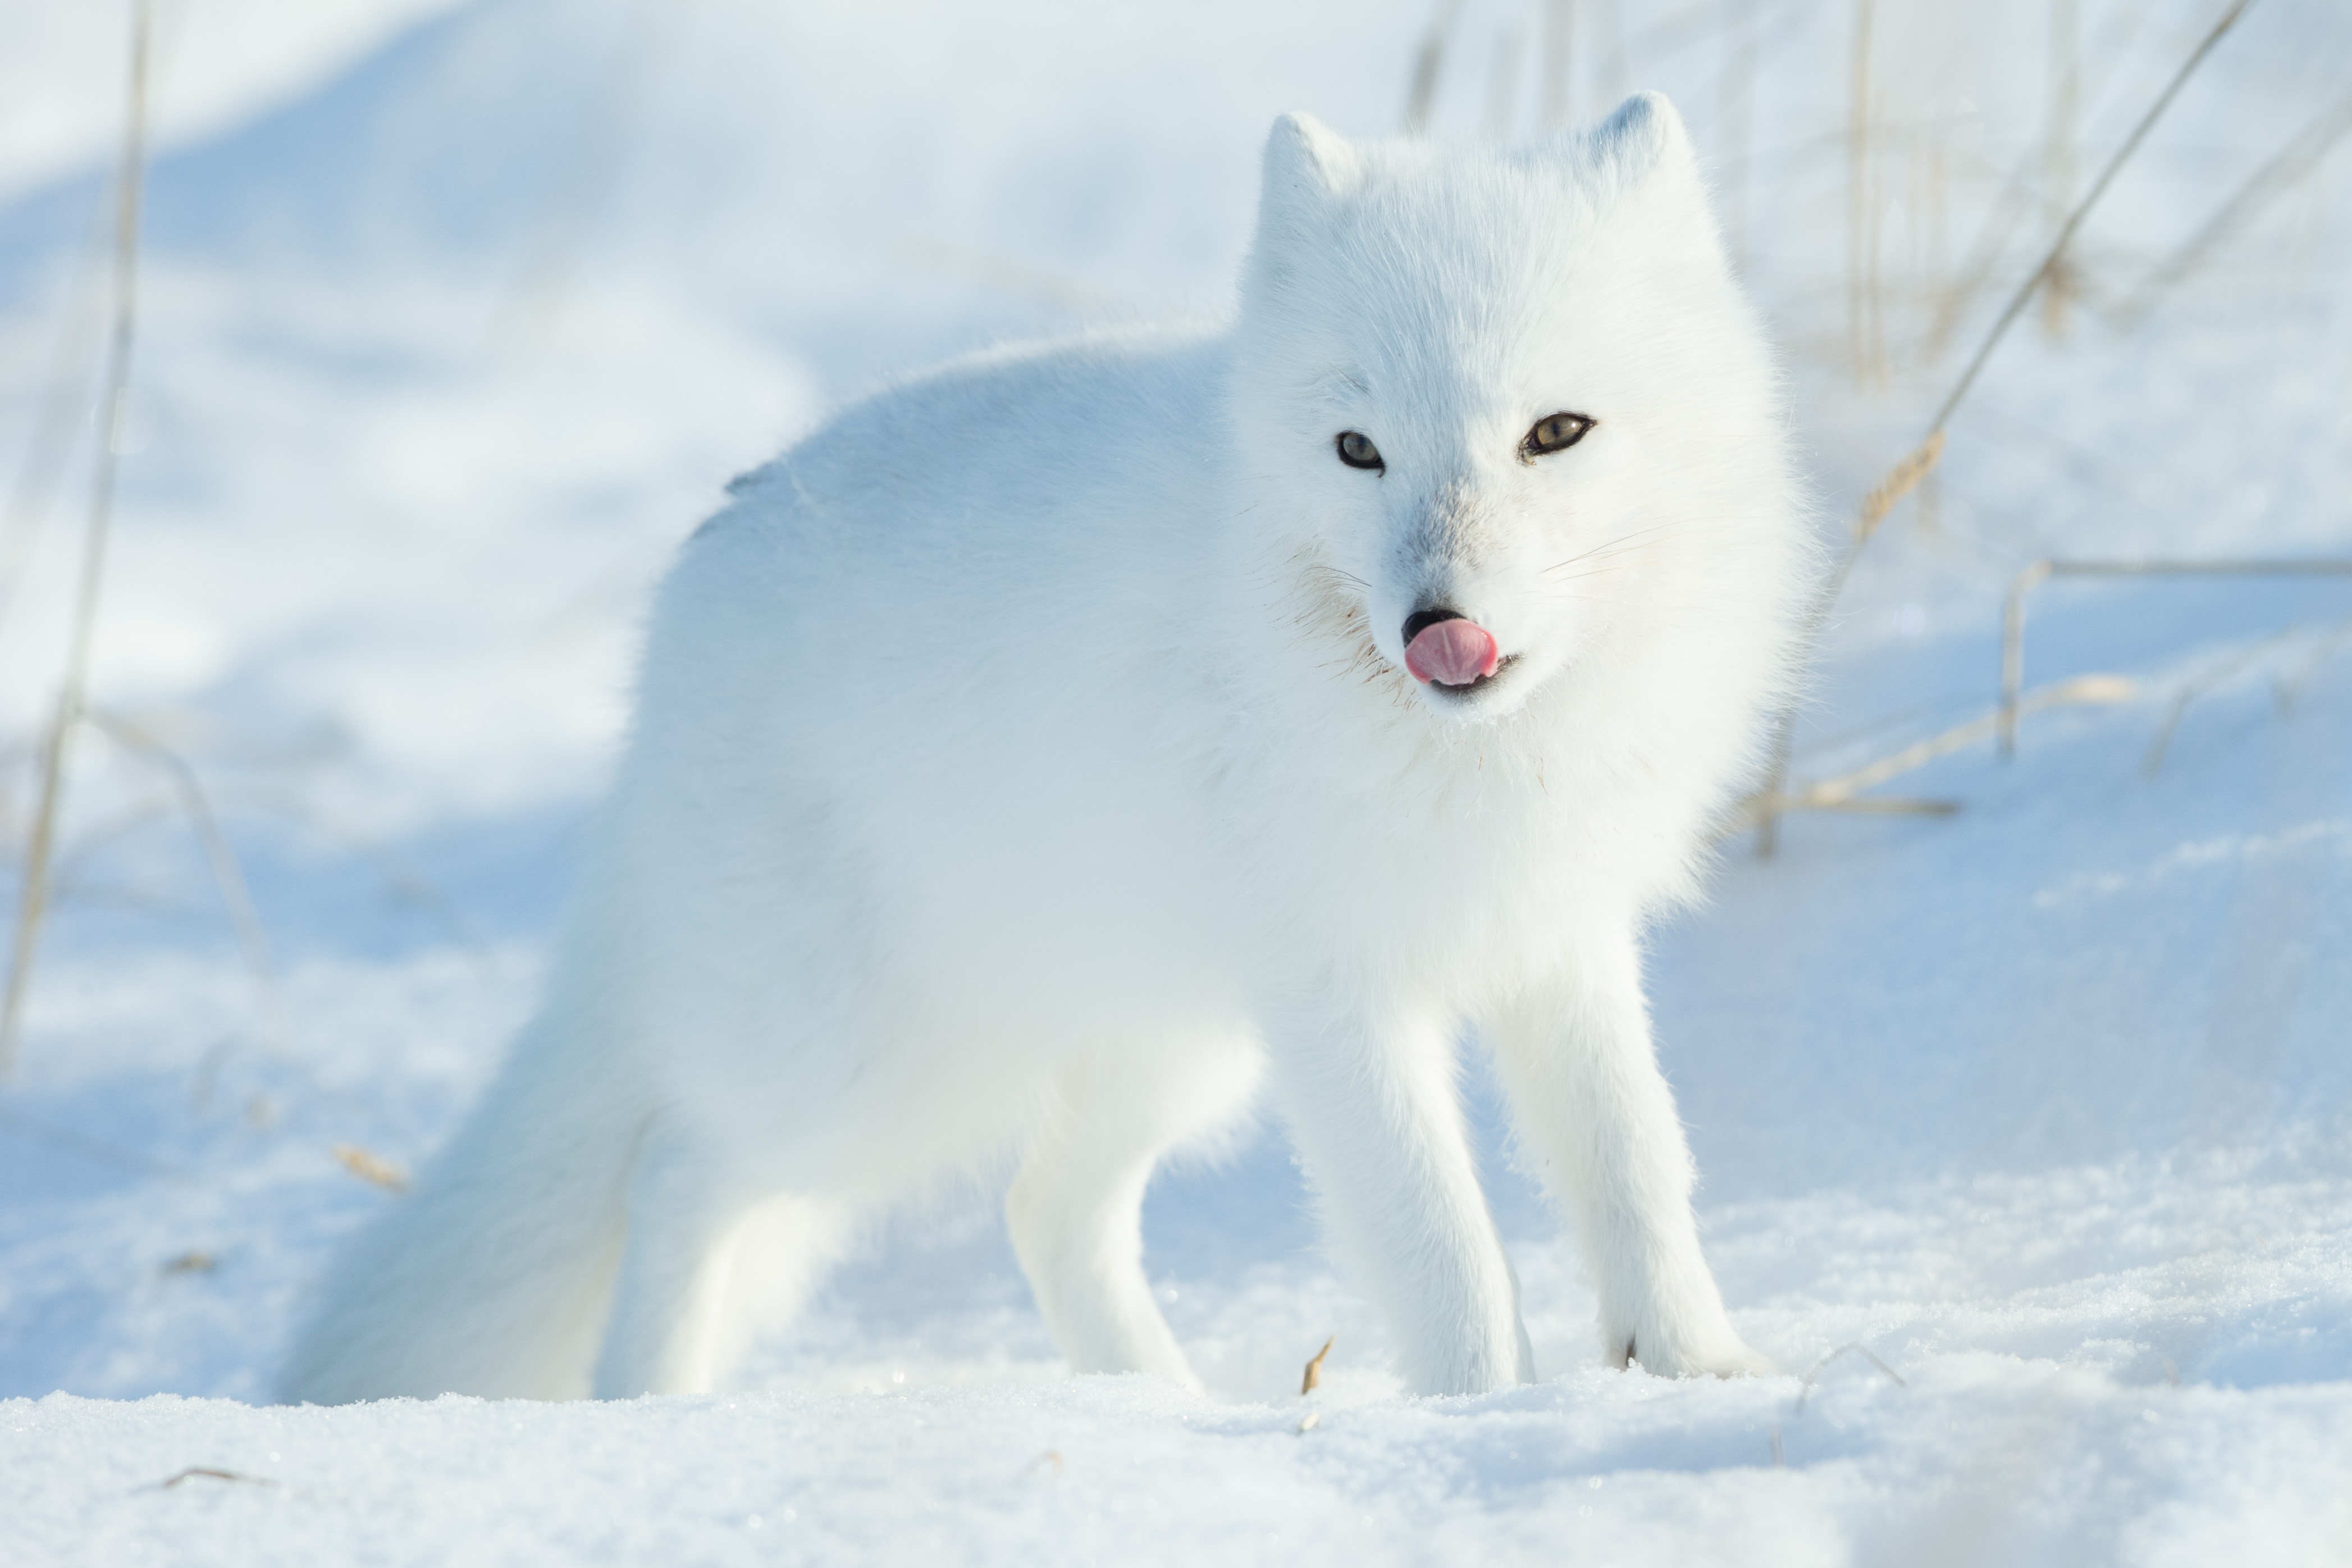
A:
{"x": 1421, "y": 620}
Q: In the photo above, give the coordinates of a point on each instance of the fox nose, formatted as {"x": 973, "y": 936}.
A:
{"x": 1447, "y": 648}
{"x": 1421, "y": 620}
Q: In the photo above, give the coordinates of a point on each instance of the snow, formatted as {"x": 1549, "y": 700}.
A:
{"x": 454, "y": 324}
{"x": 214, "y": 61}
{"x": 1976, "y": 1461}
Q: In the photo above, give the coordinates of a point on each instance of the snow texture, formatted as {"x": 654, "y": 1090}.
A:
{"x": 2044, "y": 1105}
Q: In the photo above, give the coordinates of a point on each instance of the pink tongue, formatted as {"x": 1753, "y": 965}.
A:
{"x": 1453, "y": 654}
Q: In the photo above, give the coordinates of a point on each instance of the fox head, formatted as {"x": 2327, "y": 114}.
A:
{"x": 1510, "y": 406}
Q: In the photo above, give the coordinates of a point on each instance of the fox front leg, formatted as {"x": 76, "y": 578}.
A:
{"x": 1370, "y": 1094}
{"x": 1575, "y": 1056}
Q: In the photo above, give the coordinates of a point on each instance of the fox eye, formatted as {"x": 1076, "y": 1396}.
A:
{"x": 1357, "y": 450}
{"x": 1553, "y": 433}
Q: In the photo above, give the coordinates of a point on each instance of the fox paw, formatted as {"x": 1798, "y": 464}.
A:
{"x": 1726, "y": 1356}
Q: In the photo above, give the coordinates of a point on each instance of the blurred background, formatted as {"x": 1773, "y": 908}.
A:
{"x": 453, "y": 319}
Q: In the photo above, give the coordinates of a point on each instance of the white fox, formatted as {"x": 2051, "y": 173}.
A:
{"x": 1054, "y": 750}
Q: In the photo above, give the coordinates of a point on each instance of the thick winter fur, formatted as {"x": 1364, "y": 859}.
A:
{"x": 1026, "y": 763}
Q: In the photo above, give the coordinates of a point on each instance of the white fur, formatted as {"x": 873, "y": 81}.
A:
{"x": 1025, "y": 764}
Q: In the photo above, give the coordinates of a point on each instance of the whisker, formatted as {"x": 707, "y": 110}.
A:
{"x": 1625, "y": 542}
{"x": 1604, "y": 568}
{"x": 1605, "y": 552}
{"x": 1619, "y": 542}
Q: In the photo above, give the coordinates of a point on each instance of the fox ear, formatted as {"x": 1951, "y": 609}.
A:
{"x": 1306, "y": 165}
{"x": 1644, "y": 139}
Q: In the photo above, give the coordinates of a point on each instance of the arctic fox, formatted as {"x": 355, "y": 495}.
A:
{"x": 1057, "y": 750}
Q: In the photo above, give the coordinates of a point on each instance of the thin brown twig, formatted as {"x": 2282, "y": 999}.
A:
{"x": 1428, "y": 63}
{"x": 2229, "y": 665}
{"x": 1843, "y": 792}
{"x": 2058, "y": 148}
{"x": 370, "y": 1167}
{"x": 1806, "y": 1387}
{"x": 70, "y": 689}
{"x": 206, "y": 1472}
{"x": 2035, "y": 574}
{"x": 1922, "y": 459}
{"x": 2012, "y": 202}
{"x": 2310, "y": 147}
{"x": 2051, "y": 260}
{"x": 51, "y": 444}
{"x": 1984, "y": 254}
{"x": 1314, "y": 1378}
{"x": 2284, "y": 689}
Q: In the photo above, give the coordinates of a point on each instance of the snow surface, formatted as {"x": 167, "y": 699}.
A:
{"x": 2044, "y": 1104}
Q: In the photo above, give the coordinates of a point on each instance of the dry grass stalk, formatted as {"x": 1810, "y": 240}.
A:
{"x": 370, "y": 1167}
{"x": 1883, "y": 806}
{"x": 1900, "y": 481}
{"x": 2036, "y": 573}
{"x": 2192, "y": 690}
{"x": 2082, "y": 691}
{"x": 43, "y": 842}
{"x": 2285, "y": 688}
{"x": 2056, "y": 254}
{"x": 1314, "y": 1378}
{"x": 1843, "y": 792}
{"x": 52, "y": 442}
{"x": 2013, "y": 203}
{"x": 2001, "y": 217}
{"x": 2058, "y": 151}
{"x": 2282, "y": 173}
{"x": 196, "y": 1261}
{"x": 1767, "y": 826}
{"x": 1805, "y": 1389}
{"x": 1308, "y": 1422}
{"x": 203, "y": 1472}
{"x": 1428, "y": 65}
